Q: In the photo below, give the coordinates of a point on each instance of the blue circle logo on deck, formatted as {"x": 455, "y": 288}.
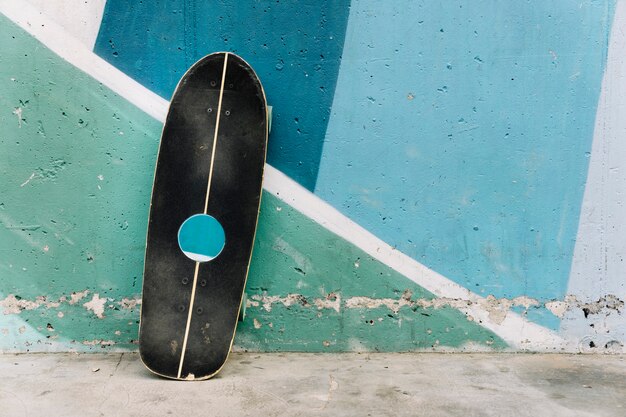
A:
{"x": 201, "y": 237}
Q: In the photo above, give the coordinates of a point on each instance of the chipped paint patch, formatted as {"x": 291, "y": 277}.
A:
{"x": 608, "y": 302}
{"x": 332, "y": 301}
{"x": 269, "y": 300}
{"x": 129, "y": 303}
{"x": 96, "y": 305}
{"x": 77, "y": 296}
{"x": 497, "y": 308}
{"x": 392, "y": 304}
{"x": 98, "y": 342}
{"x": 14, "y": 305}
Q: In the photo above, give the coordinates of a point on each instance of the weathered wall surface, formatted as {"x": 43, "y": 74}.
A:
{"x": 443, "y": 176}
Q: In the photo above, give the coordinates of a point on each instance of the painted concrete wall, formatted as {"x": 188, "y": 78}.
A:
{"x": 442, "y": 175}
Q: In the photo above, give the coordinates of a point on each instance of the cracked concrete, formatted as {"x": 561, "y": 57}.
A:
{"x": 320, "y": 384}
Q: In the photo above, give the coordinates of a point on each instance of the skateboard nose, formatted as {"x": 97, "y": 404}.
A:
{"x": 201, "y": 238}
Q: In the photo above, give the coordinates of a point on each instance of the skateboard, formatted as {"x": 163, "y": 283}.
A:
{"x": 203, "y": 216}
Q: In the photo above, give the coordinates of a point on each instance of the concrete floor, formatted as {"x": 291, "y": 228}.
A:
{"x": 67, "y": 385}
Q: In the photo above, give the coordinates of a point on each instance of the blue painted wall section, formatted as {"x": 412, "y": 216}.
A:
{"x": 295, "y": 47}
{"x": 460, "y": 134}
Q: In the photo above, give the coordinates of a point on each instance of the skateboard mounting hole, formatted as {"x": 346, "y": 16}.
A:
{"x": 181, "y": 308}
{"x": 213, "y": 83}
{"x": 201, "y": 238}
{"x": 199, "y": 310}
{"x": 227, "y": 112}
{"x": 209, "y": 110}
{"x": 231, "y": 85}
{"x": 203, "y": 283}
{"x": 185, "y": 281}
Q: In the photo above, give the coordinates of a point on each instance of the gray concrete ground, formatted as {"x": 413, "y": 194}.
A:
{"x": 68, "y": 385}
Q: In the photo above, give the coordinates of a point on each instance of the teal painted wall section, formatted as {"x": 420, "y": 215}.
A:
{"x": 76, "y": 163}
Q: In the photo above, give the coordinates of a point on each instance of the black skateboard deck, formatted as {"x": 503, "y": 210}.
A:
{"x": 203, "y": 217}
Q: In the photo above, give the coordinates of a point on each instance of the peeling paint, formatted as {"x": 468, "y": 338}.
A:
{"x": 77, "y": 296}
{"x": 332, "y": 301}
{"x": 496, "y": 307}
{"x": 370, "y": 303}
{"x": 558, "y": 308}
{"x": 97, "y": 342}
{"x": 14, "y": 305}
{"x": 268, "y": 300}
{"x": 608, "y": 302}
{"x": 96, "y": 305}
{"x": 129, "y": 303}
